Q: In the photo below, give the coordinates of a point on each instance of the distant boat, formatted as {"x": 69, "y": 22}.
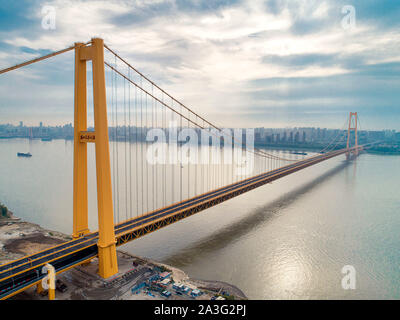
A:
{"x": 26, "y": 155}
{"x": 47, "y": 139}
{"x": 301, "y": 153}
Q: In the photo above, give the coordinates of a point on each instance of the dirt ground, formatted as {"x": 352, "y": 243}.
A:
{"x": 31, "y": 244}
{"x": 19, "y": 238}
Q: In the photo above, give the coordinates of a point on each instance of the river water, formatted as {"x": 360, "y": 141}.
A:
{"x": 285, "y": 240}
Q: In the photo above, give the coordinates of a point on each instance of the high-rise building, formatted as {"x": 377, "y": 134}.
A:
{"x": 297, "y": 137}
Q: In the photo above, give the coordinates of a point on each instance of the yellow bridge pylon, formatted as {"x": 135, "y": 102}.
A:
{"x": 107, "y": 243}
{"x": 353, "y": 125}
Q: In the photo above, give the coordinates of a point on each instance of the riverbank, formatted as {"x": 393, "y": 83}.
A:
{"x": 391, "y": 150}
{"x": 20, "y": 238}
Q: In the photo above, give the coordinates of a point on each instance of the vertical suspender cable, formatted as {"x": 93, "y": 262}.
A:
{"x": 144, "y": 159}
{"x": 180, "y": 160}
{"x": 141, "y": 144}
{"x": 130, "y": 150}
{"x": 152, "y": 128}
{"x": 113, "y": 143}
{"x": 117, "y": 145}
{"x": 137, "y": 151}
{"x": 125, "y": 153}
{"x": 174, "y": 126}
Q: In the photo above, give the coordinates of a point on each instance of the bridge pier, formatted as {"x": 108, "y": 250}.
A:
{"x": 108, "y": 263}
{"x": 39, "y": 288}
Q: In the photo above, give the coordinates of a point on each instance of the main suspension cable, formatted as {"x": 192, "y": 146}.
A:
{"x": 50, "y": 55}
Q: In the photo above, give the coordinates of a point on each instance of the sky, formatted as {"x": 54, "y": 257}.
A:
{"x": 240, "y": 63}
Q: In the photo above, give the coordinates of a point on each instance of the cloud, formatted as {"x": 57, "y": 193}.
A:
{"x": 222, "y": 57}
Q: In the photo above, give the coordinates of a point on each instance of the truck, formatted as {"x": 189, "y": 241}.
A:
{"x": 61, "y": 286}
{"x": 166, "y": 293}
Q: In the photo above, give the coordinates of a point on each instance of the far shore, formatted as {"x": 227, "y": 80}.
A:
{"x": 307, "y": 147}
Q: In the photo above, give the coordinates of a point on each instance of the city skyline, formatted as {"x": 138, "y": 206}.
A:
{"x": 23, "y": 124}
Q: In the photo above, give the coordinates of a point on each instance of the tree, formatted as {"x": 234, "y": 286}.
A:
{"x": 3, "y": 210}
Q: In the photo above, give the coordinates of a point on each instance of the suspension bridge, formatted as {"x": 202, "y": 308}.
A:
{"x": 128, "y": 108}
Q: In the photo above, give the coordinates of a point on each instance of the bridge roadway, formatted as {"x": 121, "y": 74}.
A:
{"x": 23, "y": 273}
